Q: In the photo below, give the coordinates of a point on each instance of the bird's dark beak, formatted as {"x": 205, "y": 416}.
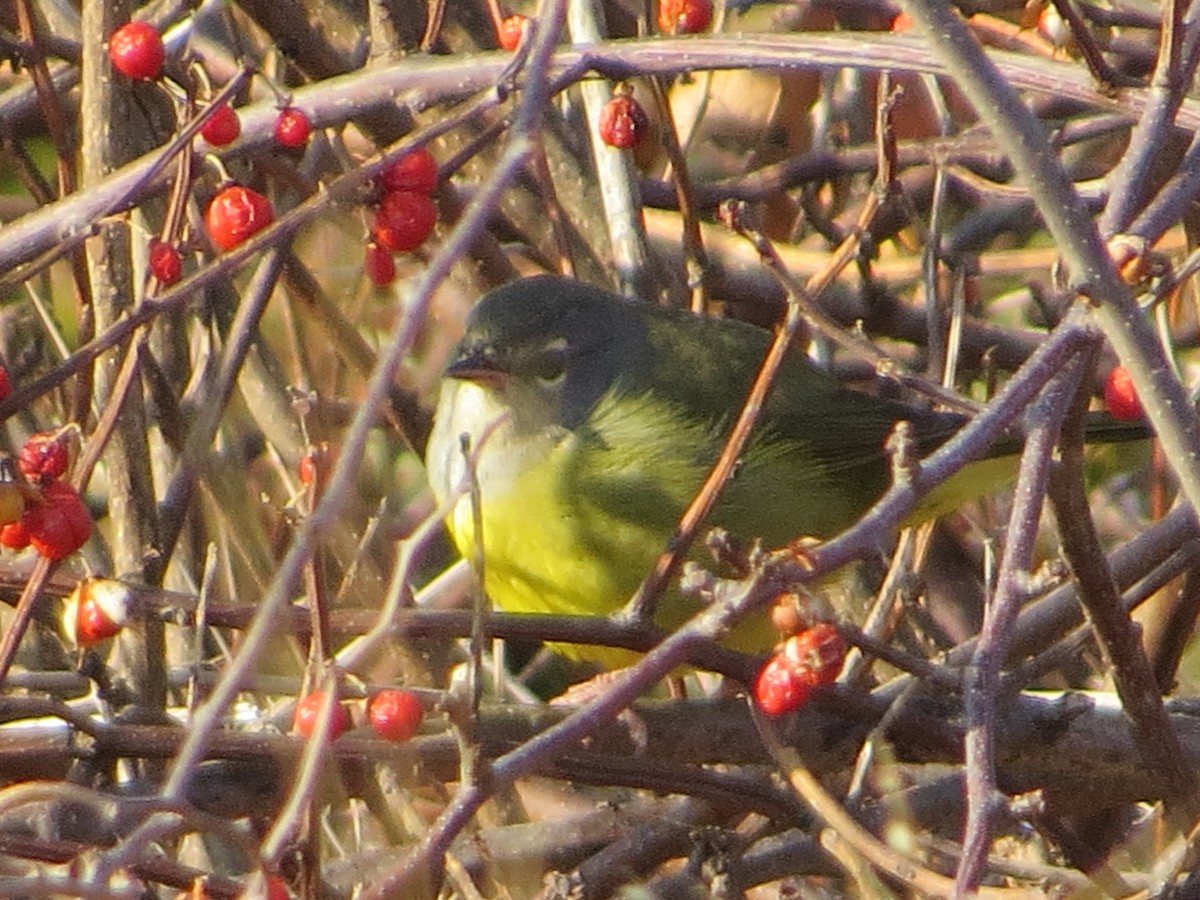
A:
{"x": 477, "y": 364}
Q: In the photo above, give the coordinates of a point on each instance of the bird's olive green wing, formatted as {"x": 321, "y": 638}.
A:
{"x": 815, "y": 464}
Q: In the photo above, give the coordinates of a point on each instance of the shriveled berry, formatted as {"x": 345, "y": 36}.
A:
{"x": 136, "y": 50}
{"x": 305, "y": 720}
{"x": 819, "y": 649}
{"x": 292, "y": 127}
{"x": 59, "y": 523}
{"x": 623, "y": 122}
{"x": 45, "y": 457}
{"x": 166, "y": 262}
{"x": 379, "y": 264}
{"x": 1120, "y": 396}
{"x": 510, "y": 31}
{"x": 684, "y": 16}
{"x": 395, "y": 714}
{"x": 236, "y": 214}
{"x": 415, "y": 171}
{"x": 5, "y": 384}
{"x": 222, "y": 127}
{"x": 404, "y": 220}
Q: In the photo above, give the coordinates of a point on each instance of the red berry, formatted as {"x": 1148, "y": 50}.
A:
{"x": 305, "y": 721}
{"x": 404, "y": 220}
{"x": 5, "y": 384}
{"x": 781, "y": 687}
{"x": 166, "y": 262}
{"x": 15, "y": 535}
{"x": 318, "y": 461}
{"x": 236, "y": 214}
{"x": 684, "y": 16}
{"x": 1121, "y": 397}
{"x": 292, "y": 127}
{"x": 808, "y": 660}
{"x": 136, "y": 50}
{"x": 98, "y": 608}
{"x": 416, "y": 171}
{"x": 379, "y": 264}
{"x": 903, "y": 22}
{"x": 45, "y": 457}
{"x": 59, "y": 523}
{"x": 94, "y": 625}
{"x": 510, "y": 31}
{"x": 623, "y": 122}
{"x": 222, "y": 127}
{"x": 395, "y": 714}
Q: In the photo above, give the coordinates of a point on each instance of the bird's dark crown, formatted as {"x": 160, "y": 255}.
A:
{"x": 547, "y": 328}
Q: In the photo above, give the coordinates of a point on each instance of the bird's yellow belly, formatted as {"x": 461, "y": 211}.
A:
{"x": 576, "y": 561}
{"x": 544, "y": 554}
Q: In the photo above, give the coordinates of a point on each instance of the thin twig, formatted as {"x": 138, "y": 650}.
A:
{"x": 446, "y": 79}
{"x": 982, "y": 677}
{"x": 903, "y": 869}
{"x": 1118, "y": 635}
{"x": 1130, "y": 179}
{"x": 615, "y": 172}
{"x": 642, "y": 605}
{"x": 1091, "y": 270}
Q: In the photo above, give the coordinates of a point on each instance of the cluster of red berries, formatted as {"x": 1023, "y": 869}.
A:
{"x": 806, "y": 661}
{"x": 137, "y": 51}
{"x": 405, "y": 216}
{"x": 236, "y": 213}
{"x": 38, "y": 508}
{"x": 293, "y": 127}
{"x": 394, "y": 714}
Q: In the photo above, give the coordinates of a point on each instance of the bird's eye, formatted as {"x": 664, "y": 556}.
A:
{"x": 549, "y": 366}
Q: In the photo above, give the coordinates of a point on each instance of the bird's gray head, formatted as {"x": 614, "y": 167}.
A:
{"x": 559, "y": 338}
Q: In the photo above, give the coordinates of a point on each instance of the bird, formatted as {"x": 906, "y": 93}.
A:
{"x": 592, "y": 422}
